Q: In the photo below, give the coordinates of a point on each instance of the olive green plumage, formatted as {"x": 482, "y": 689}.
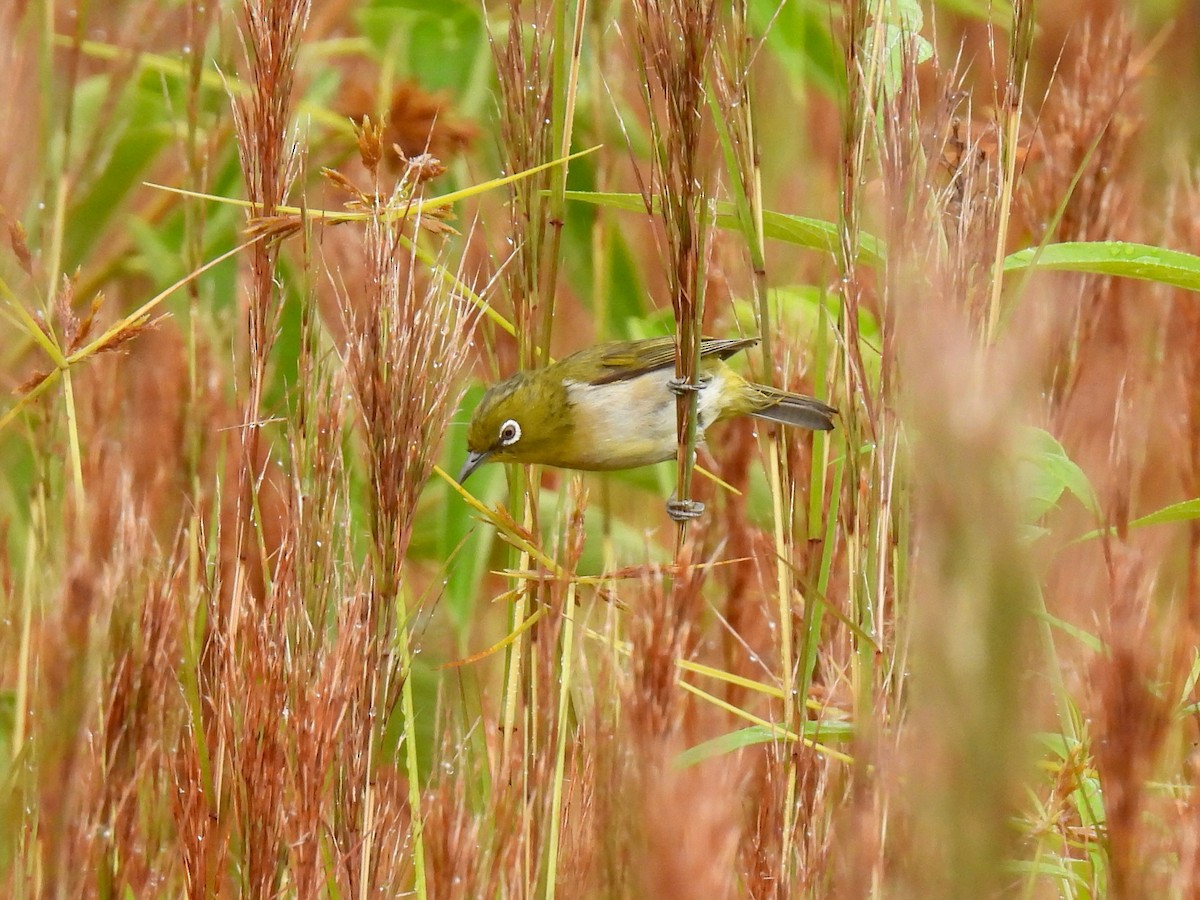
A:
{"x": 612, "y": 406}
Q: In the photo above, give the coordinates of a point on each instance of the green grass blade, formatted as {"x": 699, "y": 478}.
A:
{"x": 815, "y": 234}
{"x": 1121, "y": 258}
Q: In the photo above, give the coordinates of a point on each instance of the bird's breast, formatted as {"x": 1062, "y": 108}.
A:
{"x": 630, "y": 423}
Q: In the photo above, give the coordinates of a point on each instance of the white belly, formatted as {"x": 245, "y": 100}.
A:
{"x": 631, "y": 423}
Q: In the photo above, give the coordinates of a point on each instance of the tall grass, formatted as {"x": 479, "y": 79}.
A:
{"x": 255, "y": 641}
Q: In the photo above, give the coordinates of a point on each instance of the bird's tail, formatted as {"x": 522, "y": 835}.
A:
{"x": 794, "y": 409}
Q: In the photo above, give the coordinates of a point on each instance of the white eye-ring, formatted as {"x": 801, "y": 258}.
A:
{"x": 510, "y": 433}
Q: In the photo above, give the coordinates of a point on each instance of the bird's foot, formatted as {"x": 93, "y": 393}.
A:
{"x": 684, "y": 510}
{"x": 680, "y": 387}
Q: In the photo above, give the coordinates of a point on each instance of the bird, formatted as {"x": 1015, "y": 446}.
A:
{"x": 613, "y": 406}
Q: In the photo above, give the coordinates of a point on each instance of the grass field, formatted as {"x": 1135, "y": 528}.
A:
{"x": 258, "y": 262}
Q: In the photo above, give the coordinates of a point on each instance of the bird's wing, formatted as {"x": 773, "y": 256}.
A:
{"x": 623, "y": 360}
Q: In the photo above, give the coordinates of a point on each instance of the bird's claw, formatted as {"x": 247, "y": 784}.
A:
{"x": 684, "y": 510}
{"x": 680, "y": 387}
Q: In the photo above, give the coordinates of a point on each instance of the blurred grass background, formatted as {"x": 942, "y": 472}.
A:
{"x": 253, "y": 642}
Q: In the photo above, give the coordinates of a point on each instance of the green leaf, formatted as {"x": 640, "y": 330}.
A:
{"x": 826, "y": 732}
{"x": 797, "y": 310}
{"x": 160, "y": 252}
{"x": 1086, "y": 638}
{"x": 727, "y": 743}
{"x": 1045, "y": 473}
{"x": 8, "y": 718}
{"x": 626, "y": 292}
{"x": 1183, "y": 511}
{"x": 446, "y": 530}
{"x": 135, "y": 135}
{"x": 802, "y": 41}
{"x": 815, "y": 234}
{"x": 1127, "y": 260}
{"x": 997, "y": 12}
{"x": 1048, "y": 868}
{"x": 900, "y": 42}
{"x": 610, "y": 277}
{"x": 158, "y": 248}
{"x": 1056, "y": 743}
{"x": 440, "y": 41}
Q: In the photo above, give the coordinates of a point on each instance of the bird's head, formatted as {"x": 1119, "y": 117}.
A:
{"x": 525, "y": 418}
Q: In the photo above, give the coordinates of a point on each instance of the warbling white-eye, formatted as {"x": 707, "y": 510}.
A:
{"x": 612, "y": 406}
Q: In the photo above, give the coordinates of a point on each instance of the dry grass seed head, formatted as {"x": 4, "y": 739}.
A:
{"x": 270, "y": 31}
{"x": 106, "y": 699}
{"x": 524, "y": 68}
{"x": 416, "y": 122}
{"x": 705, "y": 800}
{"x": 958, "y": 398}
{"x": 1129, "y": 694}
{"x": 1180, "y": 341}
{"x": 406, "y": 355}
{"x": 458, "y": 842}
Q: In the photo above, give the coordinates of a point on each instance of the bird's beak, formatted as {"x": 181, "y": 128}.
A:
{"x": 474, "y": 461}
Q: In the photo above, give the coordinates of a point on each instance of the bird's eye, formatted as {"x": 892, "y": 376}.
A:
{"x": 510, "y": 433}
